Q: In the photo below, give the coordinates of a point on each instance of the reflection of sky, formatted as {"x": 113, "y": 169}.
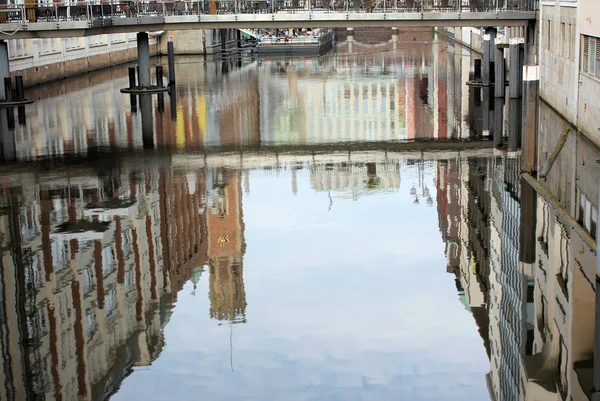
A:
{"x": 348, "y": 304}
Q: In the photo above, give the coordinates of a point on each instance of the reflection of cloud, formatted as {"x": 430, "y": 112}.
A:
{"x": 350, "y": 304}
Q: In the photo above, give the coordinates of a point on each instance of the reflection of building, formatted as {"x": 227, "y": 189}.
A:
{"x": 536, "y": 316}
{"x": 226, "y": 245}
{"x": 458, "y": 191}
{"x": 90, "y": 267}
{"x": 562, "y": 317}
{"x": 78, "y": 310}
{"x": 354, "y": 180}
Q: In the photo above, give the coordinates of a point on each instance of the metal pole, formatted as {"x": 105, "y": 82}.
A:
{"x": 143, "y": 59}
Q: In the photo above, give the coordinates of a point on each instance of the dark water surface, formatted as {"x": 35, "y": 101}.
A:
{"x": 282, "y": 237}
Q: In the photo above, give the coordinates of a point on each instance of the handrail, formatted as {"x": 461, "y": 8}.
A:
{"x": 100, "y": 10}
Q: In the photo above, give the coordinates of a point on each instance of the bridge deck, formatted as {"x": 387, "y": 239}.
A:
{"x": 56, "y": 20}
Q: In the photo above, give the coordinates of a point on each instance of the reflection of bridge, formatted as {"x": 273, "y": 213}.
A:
{"x": 88, "y": 18}
{"x": 246, "y": 158}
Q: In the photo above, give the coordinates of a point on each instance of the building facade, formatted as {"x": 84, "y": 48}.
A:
{"x": 570, "y": 62}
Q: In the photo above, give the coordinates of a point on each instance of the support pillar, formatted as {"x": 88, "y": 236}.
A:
{"x": 395, "y": 38}
{"x": 514, "y": 124}
{"x": 527, "y": 234}
{"x": 498, "y": 121}
{"x": 530, "y": 115}
{"x": 223, "y": 33}
{"x": 489, "y": 39}
{"x": 4, "y": 66}
{"x": 350, "y": 34}
{"x": 350, "y": 38}
{"x": 147, "y": 122}
{"x": 516, "y": 68}
{"x": 499, "y": 72}
{"x": 486, "y": 126}
{"x": 143, "y": 46}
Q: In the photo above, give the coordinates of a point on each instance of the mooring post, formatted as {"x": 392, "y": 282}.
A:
{"x": 7, "y": 138}
{"x": 132, "y": 98}
{"x": 173, "y": 101}
{"x": 159, "y": 76}
{"x": 171, "y": 61}
{"x": 8, "y": 95}
{"x": 20, "y": 88}
{"x": 477, "y": 70}
{"x": 8, "y": 92}
{"x": 20, "y": 95}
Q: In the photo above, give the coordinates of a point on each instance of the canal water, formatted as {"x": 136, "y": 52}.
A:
{"x": 338, "y": 228}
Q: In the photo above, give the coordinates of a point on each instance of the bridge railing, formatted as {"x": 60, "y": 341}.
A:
{"x": 103, "y": 12}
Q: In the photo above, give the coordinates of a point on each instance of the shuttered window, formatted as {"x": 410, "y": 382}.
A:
{"x": 585, "y": 54}
{"x": 590, "y": 55}
{"x": 597, "y": 61}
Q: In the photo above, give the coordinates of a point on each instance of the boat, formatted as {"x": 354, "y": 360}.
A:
{"x": 306, "y": 43}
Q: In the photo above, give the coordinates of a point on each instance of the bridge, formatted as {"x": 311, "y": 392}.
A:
{"x": 97, "y": 17}
{"x": 87, "y": 18}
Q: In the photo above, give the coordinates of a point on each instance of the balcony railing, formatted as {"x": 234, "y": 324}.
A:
{"x": 102, "y": 13}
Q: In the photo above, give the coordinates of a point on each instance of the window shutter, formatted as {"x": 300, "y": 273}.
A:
{"x": 597, "y": 57}
{"x": 586, "y": 45}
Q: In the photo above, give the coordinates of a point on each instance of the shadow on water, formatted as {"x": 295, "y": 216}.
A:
{"x": 114, "y": 222}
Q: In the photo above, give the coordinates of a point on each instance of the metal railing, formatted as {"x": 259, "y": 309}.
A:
{"x": 101, "y": 12}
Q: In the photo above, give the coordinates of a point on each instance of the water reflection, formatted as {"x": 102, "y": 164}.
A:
{"x": 411, "y": 93}
{"x": 299, "y": 255}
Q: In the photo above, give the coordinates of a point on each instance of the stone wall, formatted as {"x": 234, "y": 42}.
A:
{"x": 379, "y": 35}
{"x": 194, "y": 42}
{"x": 37, "y": 70}
{"x": 559, "y": 61}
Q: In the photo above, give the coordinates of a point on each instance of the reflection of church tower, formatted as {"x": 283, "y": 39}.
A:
{"x": 226, "y": 246}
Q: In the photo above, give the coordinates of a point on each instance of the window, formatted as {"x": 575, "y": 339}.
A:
{"x": 567, "y": 41}
{"x": 563, "y": 42}
{"x": 17, "y": 48}
{"x": 72, "y": 43}
{"x": 547, "y": 34}
{"x": 590, "y": 55}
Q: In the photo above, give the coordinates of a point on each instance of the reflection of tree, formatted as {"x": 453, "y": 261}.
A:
{"x": 373, "y": 182}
